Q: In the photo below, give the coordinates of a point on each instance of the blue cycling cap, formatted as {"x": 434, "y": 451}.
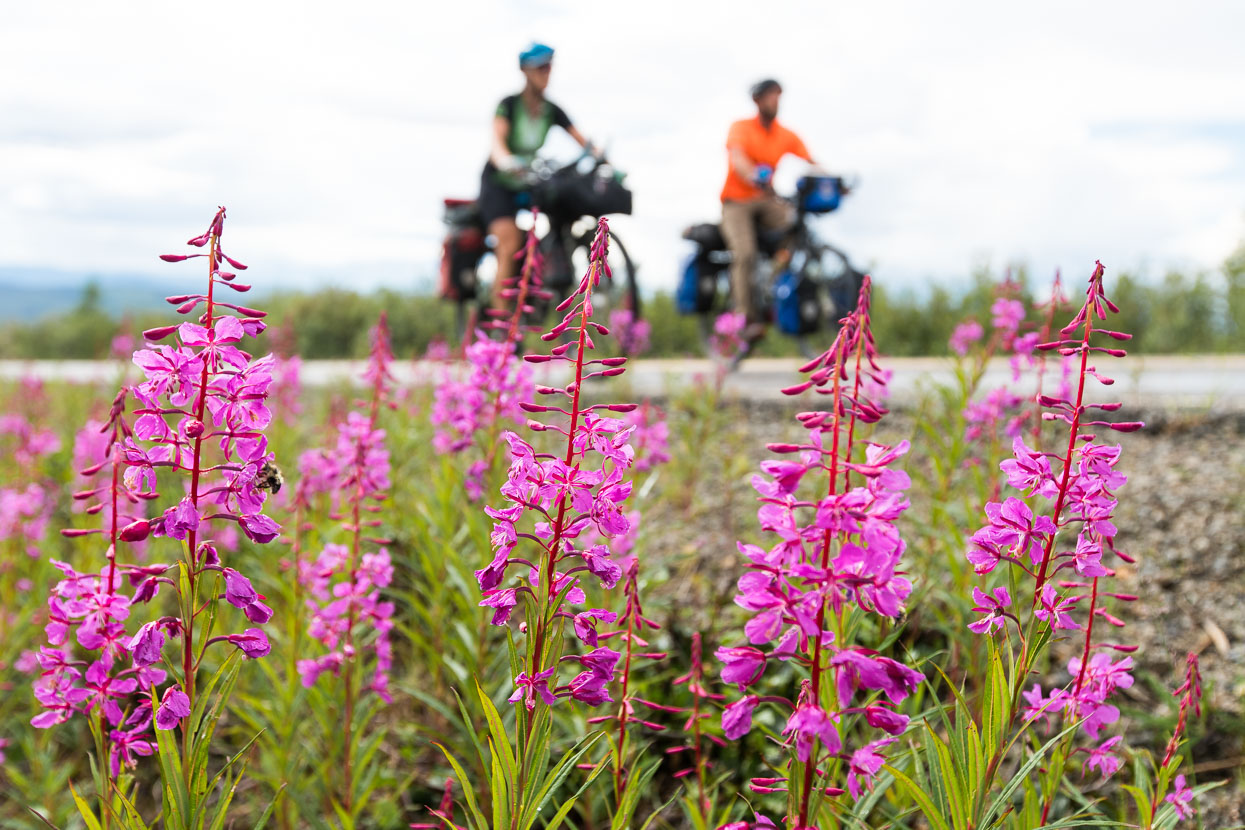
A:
{"x": 536, "y": 55}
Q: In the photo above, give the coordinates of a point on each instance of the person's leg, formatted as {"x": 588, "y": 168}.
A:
{"x": 775, "y": 213}
{"x": 740, "y": 236}
{"x": 507, "y": 242}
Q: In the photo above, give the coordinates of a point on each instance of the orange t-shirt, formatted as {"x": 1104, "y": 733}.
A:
{"x": 761, "y": 146}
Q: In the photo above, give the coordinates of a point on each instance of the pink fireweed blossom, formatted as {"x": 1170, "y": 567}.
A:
{"x": 1103, "y": 758}
{"x": 551, "y": 500}
{"x": 965, "y": 335}
{"x": 345, "y": 584}
{"x": 727, "y": 339}
{"x": 26, "y": 510}
{"x": 200, "y": 420}
{"x": 650, "y": 438}
{"x": 1181, "y": 799}
{"x": 1066, "y": 543}
{"x": 1006, "y": 317}
{"x": 467, "y": 412}
{"x": 994, "y": 607}
{"x": 836, "y": 549}
{"x": 631, "y": 333}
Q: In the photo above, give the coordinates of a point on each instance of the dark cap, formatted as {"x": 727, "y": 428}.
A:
{"x": 762, "y": 87}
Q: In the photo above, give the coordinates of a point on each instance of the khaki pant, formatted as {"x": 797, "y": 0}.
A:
{"x": 739, "y": 220}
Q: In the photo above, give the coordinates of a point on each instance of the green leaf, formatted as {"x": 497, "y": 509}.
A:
{"x": 84, "y": 810}
{"x": 1143, "y": 804}
{"x": 631, "y": 797}
{"x": 555, "y": 778}
{"x": 567, "y": 805}
{"x": 272, "y": 805}
{"x": 1021, "y": 775}
{"x": 918, "y": 795}
{"x": 176, "y": 796}
{"x": 474, "y": 808}
{"x": 501, "y": 741}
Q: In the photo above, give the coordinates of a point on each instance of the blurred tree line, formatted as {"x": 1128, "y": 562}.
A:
{"x": 1179, "y": 314}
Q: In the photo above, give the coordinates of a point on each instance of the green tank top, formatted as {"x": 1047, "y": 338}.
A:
{"x": 527, "y": 132}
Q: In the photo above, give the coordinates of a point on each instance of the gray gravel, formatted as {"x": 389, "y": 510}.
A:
{"x": 1181, "y": 515}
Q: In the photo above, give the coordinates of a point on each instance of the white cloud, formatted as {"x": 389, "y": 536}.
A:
{"x": 1056, "y": 134}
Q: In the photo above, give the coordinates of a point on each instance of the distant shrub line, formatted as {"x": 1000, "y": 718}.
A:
{"x": 1180, "y": 314}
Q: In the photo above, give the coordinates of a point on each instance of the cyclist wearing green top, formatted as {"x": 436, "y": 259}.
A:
{"x": 520, "y": 127}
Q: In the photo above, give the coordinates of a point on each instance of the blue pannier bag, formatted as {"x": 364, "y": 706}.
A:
{"x": 796, "y": 308}
{"x": 688, "y": 292}
{"x": 820, "y": 194}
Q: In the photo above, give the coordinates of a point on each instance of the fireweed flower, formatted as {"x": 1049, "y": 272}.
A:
{"x": 1067, "y": 543}
{"x": 26, "y": 511}
{"x": 1181, "y": 798}
{"x": 630, "y": 332}
{"x": 202, "y": 414}
{"x": 727, "y": 339}
{"x": 345, "y": 583}
{"x": 836, "y": 548}
{"x": 551, "y": 500}
{"x": 650, "y": 438}
{"x": 1001, "y": 407}
{"x": 965, "y": 335}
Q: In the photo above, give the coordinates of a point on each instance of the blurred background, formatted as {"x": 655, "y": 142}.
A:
{"x": 986, "y": 137}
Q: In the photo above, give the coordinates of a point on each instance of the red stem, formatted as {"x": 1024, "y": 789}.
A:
{"x": 1067, "y": 457}
{"x": 188, "y": 662}
{"x": 549, "y": 572}
{"x": 815, "y": 686}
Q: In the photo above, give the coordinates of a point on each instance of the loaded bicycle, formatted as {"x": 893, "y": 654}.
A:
{"x": 567, "y": 198}
{"x": 802, "y": 284}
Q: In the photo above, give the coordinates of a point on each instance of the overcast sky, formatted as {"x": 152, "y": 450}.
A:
{"x": 1047, "y": 133}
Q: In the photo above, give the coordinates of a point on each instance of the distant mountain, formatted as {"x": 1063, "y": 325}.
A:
{"x": 31, "y": 293}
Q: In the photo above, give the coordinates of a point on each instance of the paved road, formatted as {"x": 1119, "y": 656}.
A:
{"x": 1214, "y": 383}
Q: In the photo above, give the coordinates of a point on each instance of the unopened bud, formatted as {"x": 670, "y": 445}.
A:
{"x": 135, "y": 531}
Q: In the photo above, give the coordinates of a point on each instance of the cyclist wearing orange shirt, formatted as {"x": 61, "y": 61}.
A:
{"x": 755, "y": 146}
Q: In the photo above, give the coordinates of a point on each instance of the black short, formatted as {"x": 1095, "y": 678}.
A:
{"x": 496, "y": 200}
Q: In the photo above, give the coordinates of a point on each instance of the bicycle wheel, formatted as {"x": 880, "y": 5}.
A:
{"x": 722, "y": 302}
{"x": 839, "y": 280}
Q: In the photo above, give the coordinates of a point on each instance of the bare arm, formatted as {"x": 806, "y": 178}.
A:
{"x": 499, "y": 154}
{"x": 741, "y": 164}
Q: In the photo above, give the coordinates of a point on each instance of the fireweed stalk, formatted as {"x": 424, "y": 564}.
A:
{"x": 693, "y": 729}
{"x": 836, "y": 555}
{"x": 345, "y": 582}
{"x": 469, "y": 413}
{"x": 1080, "y": 484}
{"x": 202, "y": 414}
{"x": 552, "y": 500}
{"x": 1038, "y": 359}
{"x": 1001, "y": 405}
{"x": 112, "y": 690}
{"x": 1181, "y": 798}
{"x": 631, "y": 627}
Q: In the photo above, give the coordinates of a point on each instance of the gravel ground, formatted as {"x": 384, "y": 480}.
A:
{"x": 1181, "y": 515}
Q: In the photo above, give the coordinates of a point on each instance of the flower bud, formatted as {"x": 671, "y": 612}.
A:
{"x": 159, "y": 333}
{"x": 135, "y": 531}
{"x": 193, "y": 428}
